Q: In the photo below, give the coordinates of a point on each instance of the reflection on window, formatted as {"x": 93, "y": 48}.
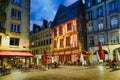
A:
{"x": 16, "y": 14}
{"x": 15, "y": 27}
{"x": 114, "y": 22}
{"x": 114, "y": 37}
{"x": 102, "y": 39}
{"x": 98, "y": 1}
{"x": 100, "y": 25}
{"x": 100, "y": 12}
{"x": 112, "y": 7}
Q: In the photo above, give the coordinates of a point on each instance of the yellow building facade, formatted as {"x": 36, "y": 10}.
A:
{"x": 14, "y": 29}
{"x": 40, "y": 42}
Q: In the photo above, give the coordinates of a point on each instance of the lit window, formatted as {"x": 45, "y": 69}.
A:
{"x": 14, "y": 41}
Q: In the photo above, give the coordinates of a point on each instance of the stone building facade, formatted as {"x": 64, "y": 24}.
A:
{"x": 103, "y": 25}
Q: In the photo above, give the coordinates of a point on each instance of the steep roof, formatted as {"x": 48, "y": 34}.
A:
{"x": 66, "y": 13}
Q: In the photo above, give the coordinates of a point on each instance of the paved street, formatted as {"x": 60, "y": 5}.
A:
{"x": 66, "y": 73}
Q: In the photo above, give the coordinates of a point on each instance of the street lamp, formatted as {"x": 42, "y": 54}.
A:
{"x": 7, "y": 36}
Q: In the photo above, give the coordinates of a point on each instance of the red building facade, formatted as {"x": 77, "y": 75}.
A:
{"x": 66, "y": 44}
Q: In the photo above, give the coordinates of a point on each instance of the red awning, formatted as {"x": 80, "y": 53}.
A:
{"x": 15, "y": 53}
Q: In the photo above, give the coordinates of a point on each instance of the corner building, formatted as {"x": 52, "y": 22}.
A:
{"x": 66, "y": 44}
{"x": 14, "y": 31}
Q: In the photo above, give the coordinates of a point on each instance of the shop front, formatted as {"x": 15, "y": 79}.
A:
{"x": 14, "y": 58}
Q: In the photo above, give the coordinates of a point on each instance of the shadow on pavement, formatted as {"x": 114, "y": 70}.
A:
{"x": 115, "y": 69}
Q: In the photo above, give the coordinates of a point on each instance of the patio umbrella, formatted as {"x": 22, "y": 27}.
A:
{"x": 101, "y": 51}
{"x": 82, "y": 58}
{"x": 98, "y": 57}
{"x": 117, "y": 55}
{"x": 44, "y": 57}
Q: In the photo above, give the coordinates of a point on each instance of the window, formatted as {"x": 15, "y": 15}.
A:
{"x": 112, "y": 7}
{"x": 100, "y": 25}
{"x": 90, "y": 28}
{"x": 114, "y": 22}
{"x": 55, "y": 32}
{"x": 98, "y": 1}
{"x": 17, "y": 2}
{"x": 114, "y": 37}
{"x": 90, "y": 15}
{"x": 99, "y": 12}
{"x": 16, "y": 14}
{"x": 0, "y": 24}
{"x": 102, "y": 39}
{"x": 60, "y": 30}
{"x": 61, "y": 43}
{"x": 55, "y": 44}
{"x": 44, "y": 42}
{"x": 0, "y": 39}
{"x": 14, "y": 41}
{"x": 62, "y": 17}
{"x": 49, "y": 41}
{"x": 91, "y": 40}
{"x": 15, "y": 27}
{"x": 88, "y": 4}
{"x": 69, "y": 26}
{"x": 67, "y": 41}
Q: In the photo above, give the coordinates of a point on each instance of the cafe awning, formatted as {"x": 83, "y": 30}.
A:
{"x": 15, "y": 53}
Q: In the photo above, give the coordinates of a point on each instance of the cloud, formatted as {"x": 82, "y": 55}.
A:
{"x": 45, "y": 9}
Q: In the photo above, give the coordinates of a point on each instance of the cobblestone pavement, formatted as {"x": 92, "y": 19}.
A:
{"x": 66, "y": 73}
